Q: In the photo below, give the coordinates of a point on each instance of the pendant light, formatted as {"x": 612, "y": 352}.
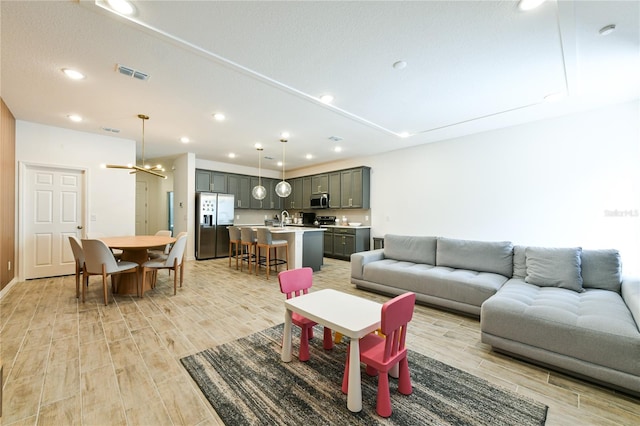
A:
{"x": 258, "y": 191}
{"x": 145, "y": 167}
{"x": 283, "y": 189}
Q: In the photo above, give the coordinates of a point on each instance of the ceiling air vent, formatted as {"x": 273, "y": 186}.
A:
{"x": 110, "y": 129}
{"x": 130, "y": 72}
{"x": 335, "y": 138}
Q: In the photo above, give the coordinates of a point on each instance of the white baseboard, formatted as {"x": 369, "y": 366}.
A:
{"x": 8, "y": 287}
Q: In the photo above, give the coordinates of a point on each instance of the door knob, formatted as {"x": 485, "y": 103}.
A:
{"x": 79, "y": 226}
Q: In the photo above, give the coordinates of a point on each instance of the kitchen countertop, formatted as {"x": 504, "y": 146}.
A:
{"x": 346, "y": 226}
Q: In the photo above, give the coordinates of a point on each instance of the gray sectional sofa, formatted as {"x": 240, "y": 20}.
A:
{"x": 564, "y": 308}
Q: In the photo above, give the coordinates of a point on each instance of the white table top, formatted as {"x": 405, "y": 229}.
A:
{"x": 350, "y": 315}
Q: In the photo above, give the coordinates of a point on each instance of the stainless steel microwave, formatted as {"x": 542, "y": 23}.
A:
{"x": 320, "y": 201}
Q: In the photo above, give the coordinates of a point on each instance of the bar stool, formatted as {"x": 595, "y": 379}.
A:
{"x": 234, "y": 241}
{"x": 248, "y": 241}
{"x": 266, "y": 240}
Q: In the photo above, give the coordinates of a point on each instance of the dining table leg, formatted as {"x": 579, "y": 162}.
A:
{"x": 354, "y": 392}
{"x": 286, "y": 337}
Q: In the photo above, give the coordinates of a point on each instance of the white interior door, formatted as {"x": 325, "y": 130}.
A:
{"x": 53, "y": 211}
{"x": 141, "y": 208}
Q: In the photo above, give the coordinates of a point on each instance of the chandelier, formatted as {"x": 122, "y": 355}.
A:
{"x": 146, "y": 168}
{"x": 258, "y": 191}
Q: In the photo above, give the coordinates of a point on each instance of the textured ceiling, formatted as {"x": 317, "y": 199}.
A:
{"x": 471, "y": 66}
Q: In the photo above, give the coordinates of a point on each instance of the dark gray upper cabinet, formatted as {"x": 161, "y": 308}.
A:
{"x": 355, "y": 188}
{"x": 208, "y": 181}
{"x": 239, "y": 186}
{"x": 320, "y": 184}
{"x": 307, "y": 190}
{"x": 334, "y": 190}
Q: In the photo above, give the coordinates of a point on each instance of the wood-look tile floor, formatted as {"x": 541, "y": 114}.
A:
{"x": 66, "y": 362}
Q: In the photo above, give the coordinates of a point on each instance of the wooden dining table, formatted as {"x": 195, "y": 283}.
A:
{"x": 135, "y": 249}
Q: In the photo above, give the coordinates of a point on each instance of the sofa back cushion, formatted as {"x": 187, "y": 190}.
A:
{"x": 519, "y": 262}
{"x": 410, "y": 249}
{"x": 554, "y": 267}
{"x": 601, "y": 269}
{"x": 483, "y": 256}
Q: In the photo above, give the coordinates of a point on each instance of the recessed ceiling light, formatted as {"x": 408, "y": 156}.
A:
{"x": 337, "y": 149}
{"x": 257, "y": 145}
{"x": 326, "y": 99}
{"x": 309, "y": 156}
{"x": 219, "y": 116}
{"x": 75, "y": 118}
{"x": 400, "y": 65}
{"x": 73, "y": 74}
{"x": 184, "y": 139}
{"x": 121, "y": 6}
{"x": 404, "y": 134}
{"x": 232, "y": 155}
{"x": 607, "y": 30}
{"x": 285, "y": 135}
{"x": 529, "y": 4}
{"x": 279, "y": 163}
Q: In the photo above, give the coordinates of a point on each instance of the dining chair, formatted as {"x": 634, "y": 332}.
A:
{"x": 173, "y": 262}
{"x": 156, "y": 253}
{"x": 382, "y": 353}
{"x": 78, "y": 255}
{"x": 234, "y": 242}
{"x": 247, "y": 241}
{"x": 99, "y": 260}
{"x": 164, "y": 257}
{"x": 117, "y": 253}
{"x": 294, "y": 283}
{"x": 265, "y": 240}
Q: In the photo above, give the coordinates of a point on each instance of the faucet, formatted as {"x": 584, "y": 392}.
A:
{"x": 282, "y": 217}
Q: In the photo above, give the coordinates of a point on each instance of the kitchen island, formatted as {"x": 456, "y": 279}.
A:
{"x": 306, "y": 245}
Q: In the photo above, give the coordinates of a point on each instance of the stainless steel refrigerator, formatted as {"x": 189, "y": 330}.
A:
{"x": 214, "y": 214}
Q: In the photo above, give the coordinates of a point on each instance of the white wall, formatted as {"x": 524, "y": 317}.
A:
{"x": 184, "y": 199}
{"x": 545, "y": 183}
{"x": 110, "y": 192}
{"x": 157, "y": 198}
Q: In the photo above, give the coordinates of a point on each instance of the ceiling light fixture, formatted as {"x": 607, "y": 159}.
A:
{"x": 283, "y": 189}
{"x": 604, "y": 31}
{"x": 326, "y": 99}
{"x": 404, "y": 134}
{"x": 145, "y": 167}
{"x": 259, "y": 191}
{"x": 73, "y": 74}
{"x": 337, "y": 149}
{"x": 232, "y": 155}
{"x": 185, "y": 139}
{"x": 75, "y": 118}
{"x": 529, "y": 4}
{"x": 219, "y": 116}
{"x": 309, "y": 156}
{"x": 122, "y": 6}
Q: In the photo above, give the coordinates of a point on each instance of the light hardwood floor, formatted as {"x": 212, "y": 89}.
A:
{"x": 67, "y": 362}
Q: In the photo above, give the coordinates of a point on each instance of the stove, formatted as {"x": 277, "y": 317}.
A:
{"x": 326, "y": 220}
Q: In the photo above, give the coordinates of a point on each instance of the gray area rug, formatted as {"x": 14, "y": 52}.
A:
{"x": 247, "y": 384}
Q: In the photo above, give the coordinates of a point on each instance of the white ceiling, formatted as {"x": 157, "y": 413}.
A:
{"x": 471, "y": 66}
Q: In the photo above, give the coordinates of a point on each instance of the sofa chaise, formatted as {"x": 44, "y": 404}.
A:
{"x": 564, "y": 308}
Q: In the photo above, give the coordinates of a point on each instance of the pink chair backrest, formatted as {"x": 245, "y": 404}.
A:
{"x": 295, "y": 282}
{"x": 396, "y": 314}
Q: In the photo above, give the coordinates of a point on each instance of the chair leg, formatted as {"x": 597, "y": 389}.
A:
{"x": 230, "y": 254}
{"x": 182, "y": 270}
{"x": 345, "y": 377}
{"x": 383, "y": 400}
{"x": 304, "y": 345}
{"x": 404, "y": 383}
{"x": 77, "y": 281}
{"x": 286, "y": 255}
{"x": 85, "y": 282}
{"x": 104, "y": 284}
{"x": 268, "y": 264}
{"x": 327, "y": 341}
{"x": 175, "y": 276}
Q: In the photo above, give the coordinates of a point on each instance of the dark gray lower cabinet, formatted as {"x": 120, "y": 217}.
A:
{"x": 312, "y": 249}
{"x": 340, "y": 243}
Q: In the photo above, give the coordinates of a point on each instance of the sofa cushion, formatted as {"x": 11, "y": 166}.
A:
{"x": 554, "y": 267}
{"x": 469, "y": 287}
{"x": 410, "y": 249}
{"x": 594, "y": 326}
{"x": 519, "y": 262}
{"x": 484, "y": 256}
{"x": 601, "y": 269}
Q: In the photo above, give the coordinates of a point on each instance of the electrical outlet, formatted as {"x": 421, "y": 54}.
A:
{"x": 9, "y": 265}
{"x": 238, "y": 217}
{"x": 366, "y": 218}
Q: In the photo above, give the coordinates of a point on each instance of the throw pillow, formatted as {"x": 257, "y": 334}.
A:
{"x": 601, "y": 269}
{"x": 554, "y": 267}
